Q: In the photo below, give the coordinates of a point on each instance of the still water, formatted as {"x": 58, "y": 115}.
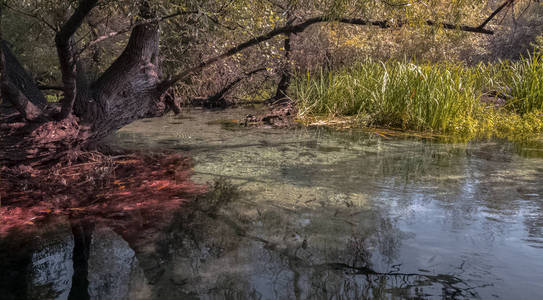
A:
{"x": 318, "y": 214}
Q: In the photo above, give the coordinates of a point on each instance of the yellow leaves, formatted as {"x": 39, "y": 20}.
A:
{"x": 160, "y": 184}
{"x": 76, "y": 209}
{"x": 120, "y": 184}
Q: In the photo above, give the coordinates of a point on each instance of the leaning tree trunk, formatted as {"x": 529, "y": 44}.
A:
{"x": 129, "y": 89}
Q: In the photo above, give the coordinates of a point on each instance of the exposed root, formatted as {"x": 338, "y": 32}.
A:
{"x": 34, "y": 143}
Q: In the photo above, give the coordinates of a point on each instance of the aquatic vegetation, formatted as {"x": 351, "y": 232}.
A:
{"x": 502, "y": 100}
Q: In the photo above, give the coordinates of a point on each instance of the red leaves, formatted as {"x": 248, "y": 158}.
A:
{"x": 103, "y": 188}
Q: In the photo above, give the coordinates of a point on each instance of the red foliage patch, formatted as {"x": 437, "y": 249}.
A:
{"x": 129, "y": 192}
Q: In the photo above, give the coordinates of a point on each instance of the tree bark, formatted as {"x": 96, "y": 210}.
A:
{"x": 13, "y": 94}
{"x": 17, "y": 75}
{"x": 127, "y": 91}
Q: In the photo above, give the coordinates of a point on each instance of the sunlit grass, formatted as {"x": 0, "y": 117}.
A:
{"x": 503, "y": 99}
{"x": 524, "y": 81}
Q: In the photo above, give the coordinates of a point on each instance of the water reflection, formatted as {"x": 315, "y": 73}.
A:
{"x": 55, "y": 262}
{"x": 221, "y": 246}
{"x": 307, "y": 214}
{"x": 472, "y": 211}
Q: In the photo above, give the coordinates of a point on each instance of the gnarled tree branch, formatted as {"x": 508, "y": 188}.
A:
{"x": 142, "y": 48}
{"x": 17, "y": 75}
{"x": 27, "y": 109}
{"x": 66, "y": 55}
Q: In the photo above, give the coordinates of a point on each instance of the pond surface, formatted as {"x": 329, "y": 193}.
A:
{"x": 317, "y": 214}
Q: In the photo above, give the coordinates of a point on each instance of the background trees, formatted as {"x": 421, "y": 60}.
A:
{"x": 205, "y": 28}
{"x": 112, "y": 62}
{"x": 208, "y": 27}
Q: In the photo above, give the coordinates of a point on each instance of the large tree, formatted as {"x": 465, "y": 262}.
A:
{"x": 133, "y": 87}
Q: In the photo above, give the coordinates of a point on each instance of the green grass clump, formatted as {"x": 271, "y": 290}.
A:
{"x": 503, "y": 99}
{"x": 524, "y": 81}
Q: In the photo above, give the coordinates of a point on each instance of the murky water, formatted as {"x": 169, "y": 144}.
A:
{"x": 326, "y": 215}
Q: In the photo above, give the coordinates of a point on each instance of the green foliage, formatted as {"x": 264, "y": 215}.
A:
{"x": 394, "y": 94}
{"x": 525, "y": 81}
{"x": 52, "y": 98}
{"x": 209, "y": 27}
{"x": 440, "y": 98}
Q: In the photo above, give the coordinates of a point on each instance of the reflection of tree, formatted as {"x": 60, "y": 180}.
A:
{"x": 223, "y": 246}
{"x": 507, "y": 187}
{"x": 37, "y": 265}
{"x": 264, "y": 263}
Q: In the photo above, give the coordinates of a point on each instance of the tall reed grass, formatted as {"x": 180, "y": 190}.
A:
{"x": 487, "y": 99}
{"x": 524, "y": 81}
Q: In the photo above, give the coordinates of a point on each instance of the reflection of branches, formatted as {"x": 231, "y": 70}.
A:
{"x": 449, "y": 282}
{"x": 452, "y": 285}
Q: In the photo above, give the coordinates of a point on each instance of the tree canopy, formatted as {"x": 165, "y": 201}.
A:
{"x": 113, "y": 62}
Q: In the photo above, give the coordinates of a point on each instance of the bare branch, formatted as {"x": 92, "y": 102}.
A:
{"x": 505, "y": 4}
{"x": 300, "y": 28}
{"x": 131, "y": 27}
{"x": 35, "y": 17}
{"x": 220, "y": 94}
